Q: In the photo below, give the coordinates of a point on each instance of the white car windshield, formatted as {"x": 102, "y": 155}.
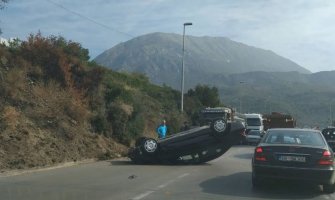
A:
{"x": 254, "y": 121}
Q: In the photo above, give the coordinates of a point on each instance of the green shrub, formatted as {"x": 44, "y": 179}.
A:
{"x": 100, "y": 124}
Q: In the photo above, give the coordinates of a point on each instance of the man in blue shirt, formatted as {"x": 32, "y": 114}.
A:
{"x": 161, "y": 130}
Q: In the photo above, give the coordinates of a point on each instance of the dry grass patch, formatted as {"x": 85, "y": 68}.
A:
{"x": 10, "y": 116}
{"x": 56, "y": 104}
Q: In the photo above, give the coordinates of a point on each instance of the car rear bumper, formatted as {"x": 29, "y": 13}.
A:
{"x": 315, "y": 175}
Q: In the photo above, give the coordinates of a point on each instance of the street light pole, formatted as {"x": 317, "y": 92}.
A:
{"x": 331, "y": 114}
{"x": 240, "y": 105}
{"x": 241, "y": 82}
{"x": 182, "y": 70}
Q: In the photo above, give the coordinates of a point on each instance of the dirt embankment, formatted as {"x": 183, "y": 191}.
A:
{"x": 56, "y": 106}
{"x": 28, "y": 146}
{"x": 45, "y": 124}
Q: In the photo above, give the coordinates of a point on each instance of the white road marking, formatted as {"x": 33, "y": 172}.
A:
{"x": 162, "y": 186}
{"x": 141, "y": 196}
{"x": 165, "y": 184}
{"x": 183, "y": 175}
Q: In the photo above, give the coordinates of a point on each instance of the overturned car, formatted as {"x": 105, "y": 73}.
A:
{"x": 219, "y": 131}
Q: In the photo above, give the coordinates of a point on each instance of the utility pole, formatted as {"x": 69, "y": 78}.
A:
{"x": 331, "y": 114}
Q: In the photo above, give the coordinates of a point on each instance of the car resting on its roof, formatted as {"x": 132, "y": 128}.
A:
{"x": 197, "y": 145}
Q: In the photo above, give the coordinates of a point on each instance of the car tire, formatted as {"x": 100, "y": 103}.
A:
{"x": 149, "y": 145}
{"x": 220, "y": 127}
{"x": 329, "y": 188}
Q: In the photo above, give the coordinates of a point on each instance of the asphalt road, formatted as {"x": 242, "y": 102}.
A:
{"x": 228, "y": 177}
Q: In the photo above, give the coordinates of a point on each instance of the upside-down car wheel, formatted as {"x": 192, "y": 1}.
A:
{"x": 149, "y": 145}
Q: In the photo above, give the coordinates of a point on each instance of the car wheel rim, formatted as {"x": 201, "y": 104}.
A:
{"x": 150, "y": 145}
{"x": 219, "y": 125}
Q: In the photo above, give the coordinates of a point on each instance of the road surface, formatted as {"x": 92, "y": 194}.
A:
{"x": 228, "y": 177}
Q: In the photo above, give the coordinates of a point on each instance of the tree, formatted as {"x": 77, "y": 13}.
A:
{"x": 209, "y": 97}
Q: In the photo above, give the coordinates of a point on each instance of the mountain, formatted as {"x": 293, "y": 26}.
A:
{"x": 159, "y": 55}
{"x": 308, "y": 97}
{"x": 248, "y": 78}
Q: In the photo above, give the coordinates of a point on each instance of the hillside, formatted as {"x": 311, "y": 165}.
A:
{"x": 57, "y": 106}
{"x": 158, "y": 55}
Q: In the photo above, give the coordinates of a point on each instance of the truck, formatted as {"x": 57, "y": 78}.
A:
{"x": 278, "y": 120}
{"x": 207, "y": 115}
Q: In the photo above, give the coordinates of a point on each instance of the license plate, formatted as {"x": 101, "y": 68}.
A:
{"x": 292, "y": 158}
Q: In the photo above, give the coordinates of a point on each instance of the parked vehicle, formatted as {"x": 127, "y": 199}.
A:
{"x": 254, "y": 136}
{"x": 197, "y": 145}
{"x": 278, "y": 120}
{"x": 294, "y": 154}
{"x": 329, "y": 134}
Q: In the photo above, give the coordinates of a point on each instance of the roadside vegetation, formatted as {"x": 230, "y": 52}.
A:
{"x": 57, "y": 106}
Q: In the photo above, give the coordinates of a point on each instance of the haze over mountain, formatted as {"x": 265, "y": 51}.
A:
{"x": 308, "y": 97}
{"x": 248, "y": 78}
{"x": 158, "y": 55}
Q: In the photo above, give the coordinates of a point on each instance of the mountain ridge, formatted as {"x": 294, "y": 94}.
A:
{"x": 283, "y": 87}
{"x": 159, "y": 55}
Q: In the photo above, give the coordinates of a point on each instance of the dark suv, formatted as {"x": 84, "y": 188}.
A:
{"x": 329, "y": 134}
{"x": 197, "y": 145}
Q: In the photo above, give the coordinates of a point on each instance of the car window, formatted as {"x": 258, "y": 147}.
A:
{"x": 253, "y": 121}
{"x": 294, "y": 137}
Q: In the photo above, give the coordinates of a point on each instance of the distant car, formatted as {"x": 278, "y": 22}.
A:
{"x": 329, "y": 134}
{"x": 253, "y": 137}
{"x": 197, "y": 145}
{"x": 294, "y": 154}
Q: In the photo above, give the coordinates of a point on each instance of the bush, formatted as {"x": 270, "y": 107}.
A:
{"x": 118, "y": 119}
{"x": 100, "y": 124}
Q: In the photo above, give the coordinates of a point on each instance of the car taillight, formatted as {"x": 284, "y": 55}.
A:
{"x": 259, "y": 156}
{"x": 326, "y": 159}
{"x": 326, "y": 153}
{"x": 259, "y": 150}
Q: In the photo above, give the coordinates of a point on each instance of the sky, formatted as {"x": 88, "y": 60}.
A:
{"x": 300, "y": 30}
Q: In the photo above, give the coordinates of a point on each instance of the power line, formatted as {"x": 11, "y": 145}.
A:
{"x": 89, "y": 19}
